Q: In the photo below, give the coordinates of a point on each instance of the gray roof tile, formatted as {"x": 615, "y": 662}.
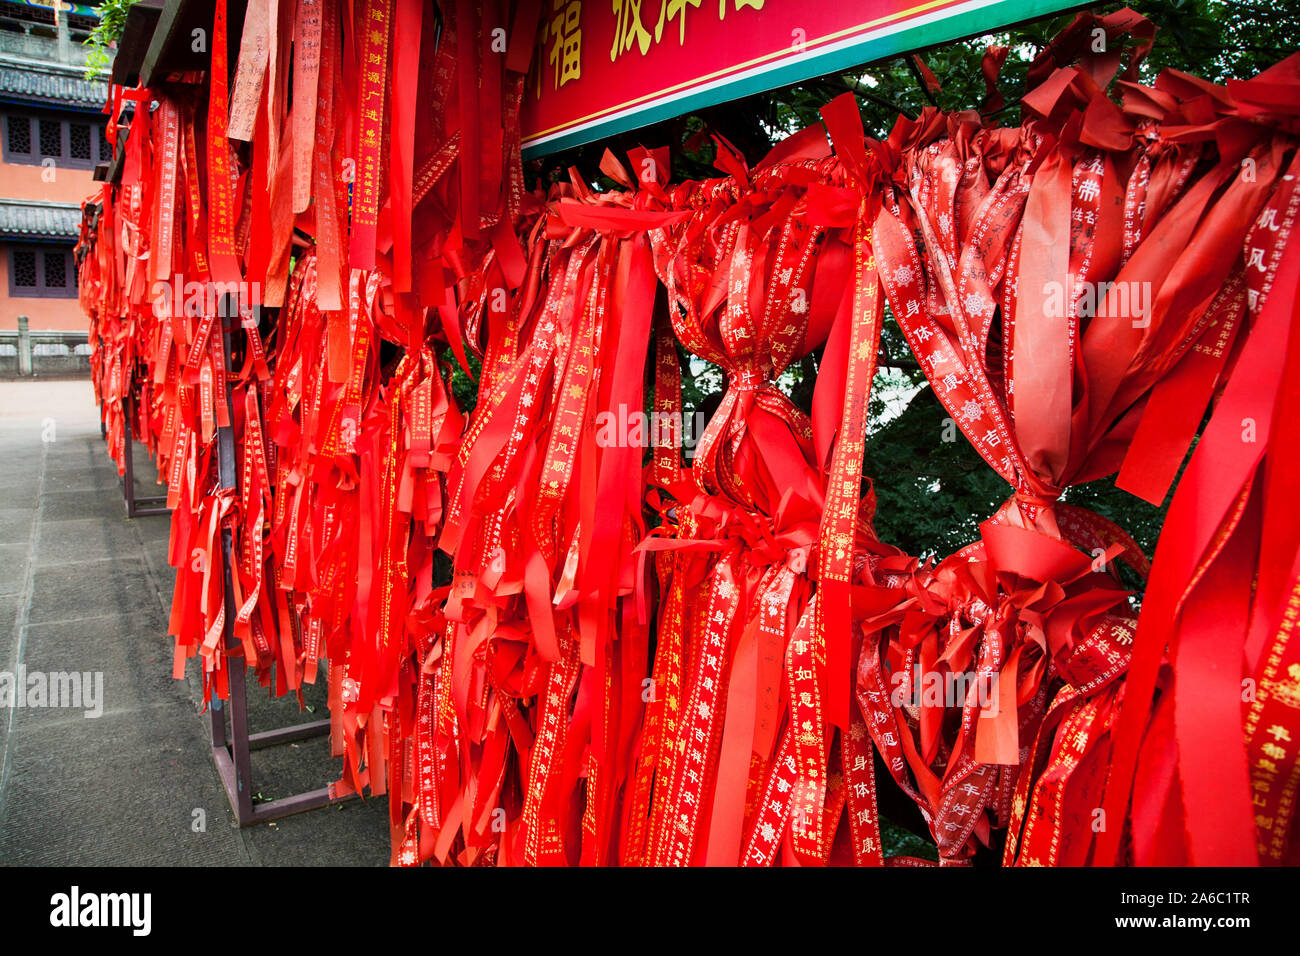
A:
{"x": 54, "y": 220}
{"x": 39, "y": 87}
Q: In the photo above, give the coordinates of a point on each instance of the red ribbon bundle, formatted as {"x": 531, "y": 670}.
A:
{"x": 334, "y": 495}
{"x": 1129, "y": 218}
{"x": 642, "y": 663}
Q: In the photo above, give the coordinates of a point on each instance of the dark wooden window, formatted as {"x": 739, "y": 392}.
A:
{"x": 42, "y": 272}
{"x": 79, "y": 141}
{"x": 51, "y": 138}
{"x": 71, "y": 141}
{"x": 18, "y": 135}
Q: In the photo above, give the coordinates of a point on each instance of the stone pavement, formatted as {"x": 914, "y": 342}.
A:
{"x": 84, "y": 589}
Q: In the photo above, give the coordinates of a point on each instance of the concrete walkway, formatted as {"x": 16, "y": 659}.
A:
{"x": 84, "y": 589}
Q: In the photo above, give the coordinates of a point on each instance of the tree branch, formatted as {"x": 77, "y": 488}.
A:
{"x": 920, "y": 80}
{"x": 858, "y": 88}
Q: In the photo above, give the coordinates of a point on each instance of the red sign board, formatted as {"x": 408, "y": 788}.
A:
{"x": 606, "y": 66}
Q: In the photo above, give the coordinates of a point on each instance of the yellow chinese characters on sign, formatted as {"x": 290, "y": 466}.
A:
{"x": 559, "y": 40}
{"x": 563, "y": 40}
{"x": 630, "y": 30}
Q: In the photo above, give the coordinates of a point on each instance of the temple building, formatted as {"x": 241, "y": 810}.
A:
{"x": 51, "y": 138}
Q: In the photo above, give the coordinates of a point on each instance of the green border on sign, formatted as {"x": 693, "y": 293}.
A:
{"x": 870, "y": 49}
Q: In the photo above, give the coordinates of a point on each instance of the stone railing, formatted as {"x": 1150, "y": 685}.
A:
{"x": 27, "y": 354}
{"x": 36, "y": 47}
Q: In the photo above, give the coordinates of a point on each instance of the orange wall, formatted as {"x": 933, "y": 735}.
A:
{"x": 18, "y": 181}
{"x": 59, "y": 315}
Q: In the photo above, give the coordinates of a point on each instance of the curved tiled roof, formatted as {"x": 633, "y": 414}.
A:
{"x": 23, "y": 218}
{"x": 37, "y": 86}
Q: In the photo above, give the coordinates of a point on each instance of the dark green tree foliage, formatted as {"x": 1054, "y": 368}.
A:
{"x": 102, "y": 40}
{"x": 932, "y": 489}
{"x": 465, "y": 387}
